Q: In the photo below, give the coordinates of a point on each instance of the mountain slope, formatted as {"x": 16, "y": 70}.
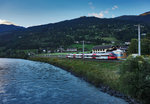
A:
{"x": 65, "y": 33}
{"x": 8, "y": 28}
{"x": 145, "y": 17}
{"x": 145, "y": 14}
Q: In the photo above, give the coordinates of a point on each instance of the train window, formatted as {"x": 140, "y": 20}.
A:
{"x": 114, "y": 54}
{"x": 104, "y": 55}
{"x": 95, "y": 55}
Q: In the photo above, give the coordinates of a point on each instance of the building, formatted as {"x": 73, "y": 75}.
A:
{"x": 71, "y": 50}
{"x": 103, "y": 49}
{"x": 60, "y": 49}
{"x": 123, "y": 48}
{"x": 127, "y": 43}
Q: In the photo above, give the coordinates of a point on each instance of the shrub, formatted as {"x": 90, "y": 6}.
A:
{"x": 135, "y": 78}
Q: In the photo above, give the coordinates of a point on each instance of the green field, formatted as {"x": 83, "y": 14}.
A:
{"x": 87, "y": 47}
{"x": 110, "y": 39}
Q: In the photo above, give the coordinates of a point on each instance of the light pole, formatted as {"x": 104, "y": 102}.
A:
{"x": 139, "y": 40}
{"x": 83, "y": 49}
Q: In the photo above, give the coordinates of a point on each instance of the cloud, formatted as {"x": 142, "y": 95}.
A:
{"x": 99, "y": 15}
{"x": 103, "y": 13}
{"x": 114, "y": 7}
{"x": 91, "y": 5}
{"x": 106, "y": 12}
{"x": 113, "y": 16}
{"x": 6, "y": 22}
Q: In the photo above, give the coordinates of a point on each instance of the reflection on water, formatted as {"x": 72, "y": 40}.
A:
{"x": 28, "y": 82}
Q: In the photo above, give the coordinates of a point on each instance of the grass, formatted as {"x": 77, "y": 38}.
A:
{"x": 86, "y": 46}
{"x": 97, "y": 73}
{"x": 110, "y": 39}
{"x": 53, "y": 53}
{"x": 62, "y": 53}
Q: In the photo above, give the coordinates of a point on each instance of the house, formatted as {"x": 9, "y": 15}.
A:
{"x": 127, "y": 43}
{"x": 103, "y": 49}
{"x": 44, "y": 50}
{"x": 77, "y": 42}
{"x": 71, "y": 50}
{"x": 60, "y": 49}
{"x": 49, "y": 51}
{"x": 124, "y": 48}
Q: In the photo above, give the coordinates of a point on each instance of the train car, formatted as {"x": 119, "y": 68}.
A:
{"x": 78, "y": 56}
{"x": 105, "y": 56}
{"x": 120, "y": 54}
{"x": 71, "y": 56}
{"x": 88, "y": 56}
{"x": 98, "y": 56}
{"x": 112, "y": 56}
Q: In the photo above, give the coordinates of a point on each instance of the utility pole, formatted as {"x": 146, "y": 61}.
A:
{"x": 83, "y": 49}
{"x": 139, "y": 40}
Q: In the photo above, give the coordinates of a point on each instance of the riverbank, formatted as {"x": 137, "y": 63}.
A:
{"x": 104, "y": 75}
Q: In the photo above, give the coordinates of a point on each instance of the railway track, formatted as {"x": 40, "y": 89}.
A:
{"x": 64, "y": 56}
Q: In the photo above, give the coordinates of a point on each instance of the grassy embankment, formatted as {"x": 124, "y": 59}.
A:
{"x": 106, "y": 73}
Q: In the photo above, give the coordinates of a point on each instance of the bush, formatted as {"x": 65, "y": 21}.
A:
{"x": 135, "y": 78}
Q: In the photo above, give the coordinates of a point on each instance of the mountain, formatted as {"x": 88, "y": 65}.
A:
{"x": 145, "y": 14}
{"x": 65, "y": 33}
{"x": 9, "y": 28}
{"x": 145, "y": 17}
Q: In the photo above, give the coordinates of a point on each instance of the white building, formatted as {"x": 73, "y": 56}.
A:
{"x": 102, "y": 49}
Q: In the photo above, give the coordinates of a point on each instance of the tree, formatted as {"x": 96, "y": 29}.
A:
{"x": 135, "y": 78}
{"x": 133, "y": 46}
{"x": 145, "y": 46}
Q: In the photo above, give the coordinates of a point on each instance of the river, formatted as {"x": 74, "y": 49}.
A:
{"x": 29, "y": 82}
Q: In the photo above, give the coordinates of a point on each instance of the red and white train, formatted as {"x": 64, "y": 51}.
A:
{"x": 106, "y": 56}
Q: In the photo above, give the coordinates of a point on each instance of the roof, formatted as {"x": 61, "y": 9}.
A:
{"x": 71, "y": 48}
{"x": 124, "y": 46}
{"x": 102, "y": 47}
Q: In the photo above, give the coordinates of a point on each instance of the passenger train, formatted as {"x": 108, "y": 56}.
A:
{"x": 106, "y": 56}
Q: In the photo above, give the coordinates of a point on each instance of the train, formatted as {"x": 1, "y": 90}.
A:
{"x": 98, "y": 56}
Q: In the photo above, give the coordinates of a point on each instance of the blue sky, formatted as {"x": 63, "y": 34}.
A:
{"x": 37, "y": 12}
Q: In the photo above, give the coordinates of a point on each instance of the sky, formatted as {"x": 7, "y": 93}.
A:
{"x": 37, "y": 12}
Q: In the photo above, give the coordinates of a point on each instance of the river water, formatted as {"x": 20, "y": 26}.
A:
{"x": 28, "y": 82}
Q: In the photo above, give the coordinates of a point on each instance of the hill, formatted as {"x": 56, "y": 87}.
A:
{"x": 145, "y": 14}
{"x": 64, "y": 34}
{"x": 9, "y": 28}
{"x": 145, "y": 17}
